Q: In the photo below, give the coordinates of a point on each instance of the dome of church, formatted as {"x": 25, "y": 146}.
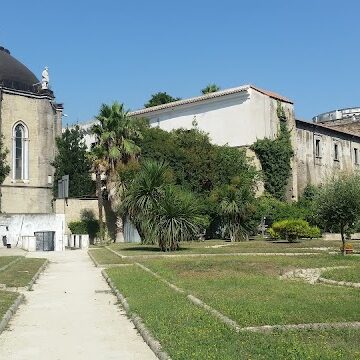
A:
{"x": 14, "y": 74}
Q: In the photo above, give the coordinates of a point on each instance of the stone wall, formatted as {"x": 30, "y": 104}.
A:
{"x": 32, "y": 195}
{"x": 316, "y": 169}
{"x": 73, "y": 208}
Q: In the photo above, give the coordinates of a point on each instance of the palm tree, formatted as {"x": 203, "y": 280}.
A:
{"x": 117, "y": 133}
{"x": 116, "y": 136}
{"x": 210, "y": 89}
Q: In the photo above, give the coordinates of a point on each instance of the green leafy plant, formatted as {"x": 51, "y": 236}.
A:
{"x": 275, "y": 158}
{"x": 235, "y": 206}
{"x": 160, "y": 98}
{"x": 293, "y": 229}
{"x": 210, "y": 89}
{"x": 72, "y": 160}
{"x": 87, "y": 225}
{"x": 338, "y": 205}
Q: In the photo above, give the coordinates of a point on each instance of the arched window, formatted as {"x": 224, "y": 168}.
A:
{"x": 20, "y": 152}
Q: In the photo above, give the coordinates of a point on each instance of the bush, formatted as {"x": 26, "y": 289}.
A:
{"x": 293, "y": 229}
{"x": 78, "y": 227}
{"x": 90, "y": 227}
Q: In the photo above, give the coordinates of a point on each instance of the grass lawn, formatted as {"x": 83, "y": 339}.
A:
{"x": 189, "y": 332}
{"x": 222, "y": 247}
{"x": 351, "y": 274}
{"x": 21, "y": 273}
{"x": 249, "y": 290}
{"x": 105, "y": 257}
{"x": 6, "y": 300}
{"x": 4, "y": 260}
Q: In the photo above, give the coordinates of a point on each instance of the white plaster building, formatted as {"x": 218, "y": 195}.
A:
{"x": 241, "y": 115}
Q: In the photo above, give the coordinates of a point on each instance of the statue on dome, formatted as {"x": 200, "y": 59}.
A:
{"x": 45, "y": 79}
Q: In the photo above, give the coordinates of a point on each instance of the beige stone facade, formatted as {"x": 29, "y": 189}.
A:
{"x": 74, "y": 208}
{"x": 41, "y": 118}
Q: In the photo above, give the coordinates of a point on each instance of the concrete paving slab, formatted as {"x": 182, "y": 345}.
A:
{"x": 71, "y": 314}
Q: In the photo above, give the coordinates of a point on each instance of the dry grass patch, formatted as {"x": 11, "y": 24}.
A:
{"x": 21, "y": 273}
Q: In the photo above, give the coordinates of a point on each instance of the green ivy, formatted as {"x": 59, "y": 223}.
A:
{"x": 275, "y": 158}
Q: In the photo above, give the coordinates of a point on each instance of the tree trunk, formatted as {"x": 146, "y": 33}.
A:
{"x": 343, "y": 239}
{"x": 100, "y": 204}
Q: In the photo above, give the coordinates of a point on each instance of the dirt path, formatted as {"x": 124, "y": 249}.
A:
{"x": 71, "y": 315}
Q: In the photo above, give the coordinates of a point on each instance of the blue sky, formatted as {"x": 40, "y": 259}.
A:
{"x": 100, "y": 51}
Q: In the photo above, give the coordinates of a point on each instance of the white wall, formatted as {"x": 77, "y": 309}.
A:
{"x": 24, "y": 225}
{"x": 237, "y": 120}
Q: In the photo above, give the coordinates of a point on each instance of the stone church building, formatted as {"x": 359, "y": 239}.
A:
{"x": 30, "y": 119}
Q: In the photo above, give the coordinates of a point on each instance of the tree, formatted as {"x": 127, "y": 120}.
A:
{"x": 196, "y": 163}
{"x": 338, "y": 204}
{"x": 160, "y": 98}
{"x": 72, "y": 160}
{"x": 4, "y": 167}
{"x": 117, "y": 135}
{"x": 210, "y": 88}
{"x": 99, "y": 167}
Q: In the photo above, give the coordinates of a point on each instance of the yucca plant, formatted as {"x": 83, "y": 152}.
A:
{"x": 235, "y": 207}
{"x": 143, "y": 196}
{"x": 177, "y": 218}
{"x": 161, "y": 211}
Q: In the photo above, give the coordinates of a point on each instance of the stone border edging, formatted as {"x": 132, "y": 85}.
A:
{"x": 310, "y": 326}
{"x": 196, "y": 301}
{"x": 37, "y": 275}
{"x": 11, "y": 312}
{"x": 339, "y": 283}
{"x": 154, "y": 345}
{"x": 92, "y": 258}
{"x": 11, "y": 263}
{"x": 226, "y": 320}
{"x": 159, "y": 256}
{"x": 116, "y": 253}
{"x": 174, "y": 287}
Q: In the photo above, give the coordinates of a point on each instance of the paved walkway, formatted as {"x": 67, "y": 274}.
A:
{"x": 71, "y": 315}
